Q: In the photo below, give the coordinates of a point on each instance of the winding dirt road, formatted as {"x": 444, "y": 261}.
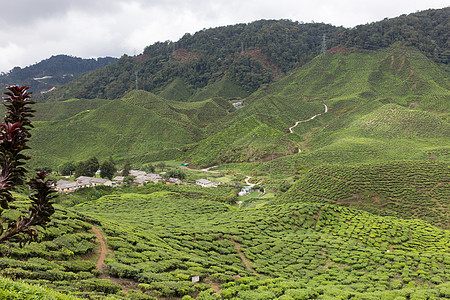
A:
{"x": 307, "y": 120}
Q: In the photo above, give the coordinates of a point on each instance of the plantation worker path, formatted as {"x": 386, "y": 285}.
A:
{"x": 102, "y": 256}
{"x": 307, "y": 120}
{"x": 244, "y": 259}
{"x": 125, "y": 284}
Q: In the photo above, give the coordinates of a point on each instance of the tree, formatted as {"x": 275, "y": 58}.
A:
{"x": 129, "y": 180}
{"x": 87, "y": 168}
{"x": 149, "y": 168}
{"x": 107, "y": 169}
{"x": 14, "y": 135}
{"x": 161, "y": 165}
{"x": 176, "y": 173}
{"x": 126, "y": 168}
{"x": 66, "y": 169}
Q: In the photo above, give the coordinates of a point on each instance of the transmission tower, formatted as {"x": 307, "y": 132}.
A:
{"x": 136, "y": 79}
{"x": 324, "y": 44}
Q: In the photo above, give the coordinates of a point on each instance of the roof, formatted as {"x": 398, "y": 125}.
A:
{"x": 89, "y": 180}
{"x": 203, "y": 181}
{"x": 64, "y": 184}
{"x": 118, "y": 178}
{"x": 137, "y": 173}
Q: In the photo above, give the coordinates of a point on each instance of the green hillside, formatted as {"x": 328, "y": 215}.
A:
{"x": 251, "y": 55}
{"x": 402, "y": 189}
{"x": 222, "y": 88}
{"x": 54, "y": 111}
{"x": 368, "y": 106}
{"x": 137, "y": 124}
{"x": 278, "y": 250}
{"x": 349, "y": 149}
{"x": 247, "y": 140}
{"x": 176, "y": 90}
{"x": 401, "y": 115}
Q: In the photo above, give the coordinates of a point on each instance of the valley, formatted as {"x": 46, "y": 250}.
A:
{"x": 345, "y": 152}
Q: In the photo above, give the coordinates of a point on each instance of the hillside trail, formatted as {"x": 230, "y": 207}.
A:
{"x": 244, "y": 259}
{"x": 248, "y": 182}
{"x": 125, "y": 284}
{"x": 307, "y": 120}
{"x": 102, "y": 256}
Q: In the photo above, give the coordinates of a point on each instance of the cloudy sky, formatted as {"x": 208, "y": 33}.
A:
{"x": 32, "y": 30}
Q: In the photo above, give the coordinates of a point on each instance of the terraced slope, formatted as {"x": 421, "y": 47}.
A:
{"x": 137, "y": 124}
{"x": 402, "y": 189}
{"x": 293, "y": 248}
{"x": 382, "y": 105}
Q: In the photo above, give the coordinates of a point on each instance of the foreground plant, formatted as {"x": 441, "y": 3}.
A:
{"x": 14, "y": 135}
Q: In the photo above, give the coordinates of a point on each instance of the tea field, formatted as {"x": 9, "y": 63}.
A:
{"x": 162, "y": 239}
{"x": 403, "y": 189}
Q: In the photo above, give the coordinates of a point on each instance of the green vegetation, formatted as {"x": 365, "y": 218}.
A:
{"x": 401, "y": 189}
{"x": 394, "y": 107}
{"x": 97, "y": 132}
{"x": 54, "y": 259}
{"x": 14, "y": 290}
{"x": 58, "y": 70}
{"x": 170, "y": 238}
{"x": 251, "y": 55}
{"x": 356, "y": 202}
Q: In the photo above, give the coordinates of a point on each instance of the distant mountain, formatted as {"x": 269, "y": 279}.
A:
{"x": 53, "y": 72}
{"x": 250, "y": 55}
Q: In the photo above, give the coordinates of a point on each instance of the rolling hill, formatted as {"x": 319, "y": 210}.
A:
{"x": 380, "y": 105}
{"x": 402, "y": 114}
{"x": 250, "y": 55}
{"x": 137, "y": 124}
{"x": 350, "y": 146}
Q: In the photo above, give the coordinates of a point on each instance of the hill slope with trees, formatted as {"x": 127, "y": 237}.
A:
{"x": 53, "y": 72}
{"x": 253, "y": 54}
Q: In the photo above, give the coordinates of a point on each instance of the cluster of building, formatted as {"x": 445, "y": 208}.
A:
{"x": 140, "y": 178}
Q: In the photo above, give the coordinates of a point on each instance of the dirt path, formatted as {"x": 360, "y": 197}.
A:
{"x": 318, "y": 217}
{"x": 126, "y": 284}
{"x": 102, "y": 256}
{"x": 244, "y": 259}
{"x": 307, "y": 120}
{"x": 248, "y": 182}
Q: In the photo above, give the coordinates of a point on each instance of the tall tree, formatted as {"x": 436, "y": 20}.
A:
{"x": 126, "y": 168}
{"x": 161, "y": 165}
{"x": 66, "y": 169}
{"x": 87, "y": 168}
{"x": 107, "y": 169}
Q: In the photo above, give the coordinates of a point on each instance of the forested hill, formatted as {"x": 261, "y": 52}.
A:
{"x": 54, "y": 71}
{"x": 250, "y": 55}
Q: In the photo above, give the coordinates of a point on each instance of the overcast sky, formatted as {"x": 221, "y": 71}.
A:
{"x": 33, "y": 30}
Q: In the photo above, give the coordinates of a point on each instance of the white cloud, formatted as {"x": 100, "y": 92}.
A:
{"x": 34, "y": 30}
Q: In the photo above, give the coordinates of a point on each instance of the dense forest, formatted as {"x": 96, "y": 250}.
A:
{"x": 254, "y": 54}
